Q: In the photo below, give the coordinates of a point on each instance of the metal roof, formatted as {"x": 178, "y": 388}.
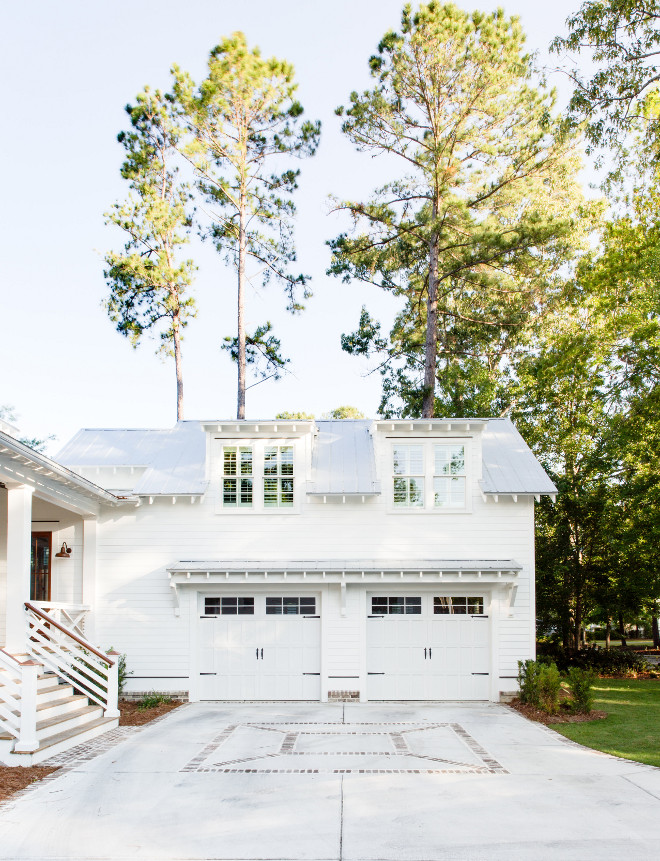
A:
{"x": 343, "y": 459}
{"x": 509, "y": 465}
{"x": 174, "y": 460}
{"x": 367, "y": 565}
{"x": 19, "y": 454}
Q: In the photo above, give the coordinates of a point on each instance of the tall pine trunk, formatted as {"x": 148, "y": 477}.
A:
{"x": 608, "y": 633}
{"x": 431, "y": 343}
{"x": 177, "y": 365}
{"x": 656, "y": 632}
{"x": 240, "y": 411}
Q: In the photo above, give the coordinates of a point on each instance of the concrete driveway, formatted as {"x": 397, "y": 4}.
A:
{"x": 303, "y": 781}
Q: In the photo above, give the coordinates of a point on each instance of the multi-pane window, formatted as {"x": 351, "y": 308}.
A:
{"x": 396, "y": 605}
{"x": 229, "y": 606}
{"x": 237, "y": 477}
{"x": 464, "y": 606}
{"x": 278, "y": 476}
{"x": 408, "y": 467}
{"x": 282, "y": 606}
{"x": 449, "y": 476}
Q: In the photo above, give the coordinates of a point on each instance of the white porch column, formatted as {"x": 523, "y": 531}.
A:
{"x": 89, "y": 576}
{"x": 19, "y": 535}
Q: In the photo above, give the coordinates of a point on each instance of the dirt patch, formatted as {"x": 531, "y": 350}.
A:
{"x": 15, "y": 778}
{"x": 132, "y": 716}
{"x": 532, "y": 713}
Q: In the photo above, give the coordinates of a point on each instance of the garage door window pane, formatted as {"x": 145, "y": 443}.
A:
{"x": 229, "y": 606}
{"x": 459, "y": 605}
{"x": 285, "y": 606}
{"x": 211, "y": 606}
{"x": 396, "y": 605}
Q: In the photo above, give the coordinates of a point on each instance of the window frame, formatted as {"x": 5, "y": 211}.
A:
{"x": 448, "y": 477}
{"x": 392, "y": 442}
{"x": 279, "y": 476}
{"x": 409, "y": 476}
{"x": 259, "y": 445}
{"x": 238, "y": 477}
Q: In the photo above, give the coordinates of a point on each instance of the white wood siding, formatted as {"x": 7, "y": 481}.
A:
{"x": 135, "y": 603}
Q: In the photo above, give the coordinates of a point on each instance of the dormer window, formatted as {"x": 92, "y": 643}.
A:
{"x": 237, "y": 481}
{"x": 449, "y": 476}
{"x": 278, "y": 476}
{"x": 429, "y": 475}
{"x": 408, "y": 476}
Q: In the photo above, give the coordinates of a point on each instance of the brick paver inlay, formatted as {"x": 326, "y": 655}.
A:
{"x": 272, "y": 747}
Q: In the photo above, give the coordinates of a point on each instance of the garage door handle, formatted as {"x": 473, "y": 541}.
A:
{"x": 318, "y": 674}
{"x": 375, "y": 674}
{"x": 257, "y": 653}
{"x": 424, "y": 654}
{"x": 482, "y": 674}
{"x": 215, "y": 674}
{"x": 429, "y": 653}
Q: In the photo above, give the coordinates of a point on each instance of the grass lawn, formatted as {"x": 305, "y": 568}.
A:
{"x": 632, "y": 726}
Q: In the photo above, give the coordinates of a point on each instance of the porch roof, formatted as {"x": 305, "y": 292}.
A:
{"x": 21, "y": 465}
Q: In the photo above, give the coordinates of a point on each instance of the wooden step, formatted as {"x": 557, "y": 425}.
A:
{"x": 65, "y": 740}
{"x": 62, "y": 723}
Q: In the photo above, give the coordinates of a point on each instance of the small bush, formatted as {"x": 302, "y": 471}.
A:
{"x": 152, "y": 700}
{"x": 616, "y": 662}
{"x": 122, "y": 674}
{"x": 580, "y": 683}
{"x": 549, "y": 686}
{"x": 528, "y": 682}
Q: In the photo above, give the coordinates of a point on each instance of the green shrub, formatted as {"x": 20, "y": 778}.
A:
{"x": 122, "y": 674}
{"x": 152, "y": 700}
{"x": 528, "y": 682}
{"x": 617, "y": 662}
{"x": 549, "y": 684}
{"x": 580, "y": 683}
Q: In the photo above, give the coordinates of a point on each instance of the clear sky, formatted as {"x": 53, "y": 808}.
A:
{"x": 68, "y": 68}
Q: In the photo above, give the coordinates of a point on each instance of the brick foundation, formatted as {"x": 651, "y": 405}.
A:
{"x": 133, "y": 696}
{"x": 343, "y": 696}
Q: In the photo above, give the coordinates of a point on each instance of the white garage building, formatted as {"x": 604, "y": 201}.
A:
{"x": 286, "y": 560}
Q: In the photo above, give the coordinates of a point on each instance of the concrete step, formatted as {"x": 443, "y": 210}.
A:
{"x": 63, "y": 723}
{"x": 62, "y": 742}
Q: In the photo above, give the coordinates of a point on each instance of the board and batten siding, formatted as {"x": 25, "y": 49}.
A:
{"x": 135, "y": 606}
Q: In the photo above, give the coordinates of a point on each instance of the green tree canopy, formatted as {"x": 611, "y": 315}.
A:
{"x": 247, "y": 127}
{"x": 148, "y": 283}
{"x": 484, "y": 214}
{"x": 621, "y": 39}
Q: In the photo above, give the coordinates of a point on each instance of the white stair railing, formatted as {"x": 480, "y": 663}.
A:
{"x": 73, "y": 659}
{"x": 18, "y": 700}
{"x": 71, "y": 616}
{"x": 11, "y": 677}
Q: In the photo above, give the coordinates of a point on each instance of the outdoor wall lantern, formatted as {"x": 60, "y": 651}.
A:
{"x": 65, "y": 552}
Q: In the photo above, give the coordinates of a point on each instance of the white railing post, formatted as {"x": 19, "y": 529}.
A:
{"x": 27, "y": 740}
{"x": 112, "y": 709}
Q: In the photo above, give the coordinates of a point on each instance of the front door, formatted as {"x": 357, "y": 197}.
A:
{"x": 40, "y": 555}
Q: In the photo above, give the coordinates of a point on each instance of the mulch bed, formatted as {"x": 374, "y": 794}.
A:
{"x": 15, "y": 778}
{"x": 132, "y": 716}
{"x": 533, "y": 713}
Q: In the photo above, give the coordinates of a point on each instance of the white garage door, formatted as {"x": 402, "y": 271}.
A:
{"x": 427, "y": 647}
{"x": 260, "y": 647}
